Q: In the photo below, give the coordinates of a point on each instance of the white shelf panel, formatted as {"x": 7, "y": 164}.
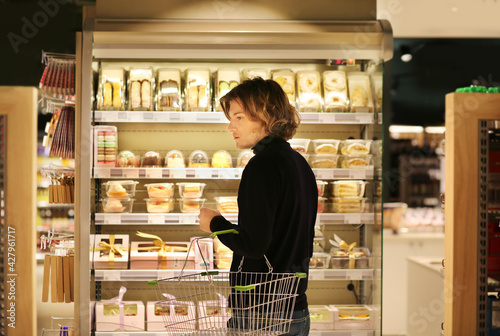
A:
{"x": 219, "y": 117}
{"x": 153, "y": 218}
{"x": 218, "y": 173}
{"x": 192, "y": 218}
{"x": 148, "y": 275}
{"x": 167, "y": 173}
{"x": 312, "y": 333}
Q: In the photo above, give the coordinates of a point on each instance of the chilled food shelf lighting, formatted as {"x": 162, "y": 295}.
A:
{"x": 435, "y": 129}
{"x": 405, "y": 129}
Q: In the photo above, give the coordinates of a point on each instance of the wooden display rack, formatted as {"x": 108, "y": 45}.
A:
{"x": 466, "y": 211}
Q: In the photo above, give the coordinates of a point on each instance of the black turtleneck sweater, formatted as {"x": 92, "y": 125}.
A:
{"x": 277, "y": 202}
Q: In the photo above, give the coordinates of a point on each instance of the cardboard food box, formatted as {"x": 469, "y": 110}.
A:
{"x": 352, "y": 317}
{"x": 111, "y": 251}
{"x": 148, "y": 255}
{"x": 170, "y": 315}
{"x": 321, "y": 317}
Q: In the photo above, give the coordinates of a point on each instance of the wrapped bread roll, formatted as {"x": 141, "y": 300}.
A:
{"x": 335, "y": 91}
{"x": 198, "y": 89}
{"x": 308, "y": 85}
{"x": 140, "y": 93}
{"x": 110, "y": 94}
{"x": 286, "y": 79}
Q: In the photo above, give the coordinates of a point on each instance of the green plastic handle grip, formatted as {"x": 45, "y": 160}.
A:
{"x": 301, "y": 275}
{"x": 152, "y": 282}
{"x": 216, "y": 233}
{"x": 244, "y": 288}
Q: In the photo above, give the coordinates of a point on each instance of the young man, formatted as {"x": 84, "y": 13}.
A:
{"x": 277, "y": 196}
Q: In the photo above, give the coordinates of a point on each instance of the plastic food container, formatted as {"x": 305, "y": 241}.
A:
{"x": 168, "y": 90}
{"x": 355, "y": 161}
{"x": 160, "y": 190}
{"x": 352, "y": 188}
{"x": 127, "y": 159}
{"x": 140, "y": 89}
{"x": 299, "y": 145}
{"x": 120, "y": 188}
{"x": 376, "y": 147}
{"x": 321, "y": 187}
{"x": 198, "y": 159}
{"x": 319, "y": 260}
{"x": 322, "y": 204}
{"x": 222, "y": 159}
{"x": 326, "y": 146}
{"x": 358, "y": 257}
{"x": 309, "y": 91}
{"x": 151, "y": 159}
{"x": 191, "y": 205}
{"x": 323, "y": 160}
{"x": 319, "y": 244}
{"x": 191, "y": 189}
{"x": 159, "y": 205}
{"x": 243, "y": 158}
{"x": 117, "y": 204}
{"x": 352, "y": 317}
{"x": 348, "y": 204}
{"x": 174, "y": 159}
{"x": 227, "y": 204}
{"x": 355, "y": 147}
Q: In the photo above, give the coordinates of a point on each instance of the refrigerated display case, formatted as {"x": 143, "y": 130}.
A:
{"x": 200, "y": 47}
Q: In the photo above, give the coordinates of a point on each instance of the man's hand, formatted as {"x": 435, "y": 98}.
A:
{"x": 205, "y": 218}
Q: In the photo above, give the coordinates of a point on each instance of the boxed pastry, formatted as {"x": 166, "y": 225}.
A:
{"x": 360, "y": 95}
{"x": 213, "y": 314}
{"x": 111, "y": 89}
{"x": 335, "y": 91}
{"x": 170, "y": 315}
{"x": 128, "y": 159}
{"x": 243, "y": 158}
{"x": 119, "y": 315}
{"x": 168, "y": 90}
{"x": 348, "y": 204}
{"x": 222, "y": 159}
{"x": 323, "y": 160}
{"x": 227, "y": 204}
{"x": 321, "y": 187}
{"x": 355, "y": 146}
{"x": 191, "y": 205}
{"x": 255, "y": 72}
{"x": 198, "y": 94}
{"x": 120, "y": 188}
{"x": 117, "y": 204}
{"x": 198, "y": 159}
{"x": 151, "y": 159}
{"x": 355, "y": 161}
{"x": 160, "y": 190}
{"x": 175, "y": 159}
{"x": 203, "y": 253}
{"x": 319, "y": 260}
{"x": 105, "y": 146}
{"x": 321, "y": 317}
{"x": 191, "y": 189}
{"x": 286, "y": 79}
{"x": 299, "y": 145}
{"x": 226, "y": 80}
{"x": 352, "y": 317}
{"x": 309, "y": 91}
{"x": 140, "y": 89}
{"x": 110, "y": 251}
{"x": 348, "y": 188}
{"x": 326, "y": 146}
{"x": 159, "y": 205}
{"x": 356, "y": 257}
{"x": 158, "y": 254}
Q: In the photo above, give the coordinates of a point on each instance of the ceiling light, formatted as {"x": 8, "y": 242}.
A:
{"x": 406, "y": 55}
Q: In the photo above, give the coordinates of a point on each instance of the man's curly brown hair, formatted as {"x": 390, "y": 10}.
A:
{"x": 265, "y": 100}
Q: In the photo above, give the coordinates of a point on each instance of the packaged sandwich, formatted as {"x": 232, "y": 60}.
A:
{"x": 227, "y": 79}
{"x": 111, "y": 89}
{"x": 140, "y": 89}
{"x": 309, "y": 91}
{"x": 168, "y": 90}
{"x": 286, "y": 79}
{"x": 198, "y": 94}
{"x": 335, "y": 91}
{"x": 360, "y": 96}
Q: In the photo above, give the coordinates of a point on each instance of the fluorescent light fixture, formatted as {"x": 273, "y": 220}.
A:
{"x": 435, "y": 129}
{"x": 405, "y": 129}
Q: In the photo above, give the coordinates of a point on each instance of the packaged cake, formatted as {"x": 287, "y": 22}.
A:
{"x": 117, "y": 204}
{"x": 286, "y": 79}
{"x": 226, "y": 80}
{"x": 243, "y": 158}
{"x": 309, "y": 91}
{"x": 140, "y": 89}
{"x": 151, "y": 159}
{"x": 222, "y": 159}
{"x": 111, "y": 89}
{"x": 326, "y": 146}
{"x": 160, "y": 190}
{"x": 168, "y": 90}
{"x": 355, "y": 146}
{"x": 348, "y": 188}
{"x": 105, "y": 146}
{"x": 159, "y": 205}
{"x": 319, "y": 260}
{"x": 355, "y": 161}
{"x": 255, "y": 72}
{"x": 191, "y": 189}
{"x": 335, "y": 91}
{"x": 357, "y": 257}
{"x": 227, "y": 204}
{"x": 323, "y": 160}
{"x": 127, "y": 159}
{"x": 198, "y": 94}
{"x": 360, "y": 96}
{"x": 174, "y": 159}
{"x": 191, "y": 205}
{"x": 348, "y": 204}
{"x": 198, "y": 159}
{"x": 120, "y": 188}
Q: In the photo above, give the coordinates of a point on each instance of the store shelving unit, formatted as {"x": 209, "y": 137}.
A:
{"x": 212, "y": 43}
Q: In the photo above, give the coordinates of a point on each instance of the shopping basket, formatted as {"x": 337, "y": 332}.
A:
{"x": 227, "y": 303}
